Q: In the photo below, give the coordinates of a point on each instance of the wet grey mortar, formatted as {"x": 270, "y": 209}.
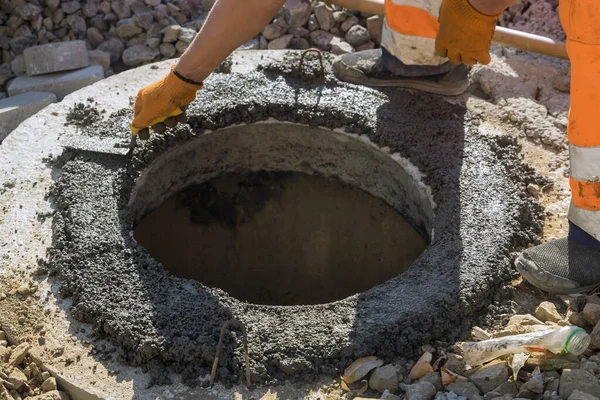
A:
{"x": 482, "y": 214}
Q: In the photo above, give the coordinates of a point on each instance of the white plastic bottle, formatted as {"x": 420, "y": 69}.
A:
{"x": 571, "y": 339}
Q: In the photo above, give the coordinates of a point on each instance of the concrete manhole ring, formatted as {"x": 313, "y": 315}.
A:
{"x": 475, "y": 180}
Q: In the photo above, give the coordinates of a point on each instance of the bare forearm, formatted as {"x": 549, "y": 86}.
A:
{"x": 491, "y": 7}
{"x": 230, "y": 24}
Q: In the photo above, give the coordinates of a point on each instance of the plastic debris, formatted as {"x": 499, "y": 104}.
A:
{"x": 570, "y": 339}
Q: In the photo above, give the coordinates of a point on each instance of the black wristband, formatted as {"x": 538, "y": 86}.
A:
{"x": 186, "y": 80}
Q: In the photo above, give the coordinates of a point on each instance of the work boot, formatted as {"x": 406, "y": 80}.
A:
{"x": 379, "y": 68}
{"x": 562, "y": 266}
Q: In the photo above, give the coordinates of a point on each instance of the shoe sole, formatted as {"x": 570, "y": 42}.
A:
{"x": 421, "y": 84}
{"x": 535, "y": 281}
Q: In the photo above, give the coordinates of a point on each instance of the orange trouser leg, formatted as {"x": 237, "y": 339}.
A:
{"x": 409, "y": 31}
{"x": 581, "y": 21}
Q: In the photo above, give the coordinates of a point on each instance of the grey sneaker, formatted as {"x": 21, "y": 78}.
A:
{"x": 561, "y": 266}
{"x": 370, "y": 68}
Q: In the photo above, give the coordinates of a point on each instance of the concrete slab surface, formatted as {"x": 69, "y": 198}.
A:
{"x": 60, "y": 83}
{"x": 16, "y": 109}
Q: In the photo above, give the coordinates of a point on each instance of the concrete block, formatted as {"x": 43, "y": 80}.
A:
{"x": 99, "y": 57}
{"x": 61, "y": 84}
{"x": 16, "y": 109}
{"x": 56, "y": 57}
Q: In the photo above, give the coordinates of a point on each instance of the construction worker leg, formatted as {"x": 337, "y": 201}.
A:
{"x": 573, "y": 264}
{"x": 409, "y": 31}
{"x": 407, "y": 56}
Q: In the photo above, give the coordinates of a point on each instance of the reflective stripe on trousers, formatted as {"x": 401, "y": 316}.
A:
{"x": 409, "y": 31}
{"x": 581, "y": 21}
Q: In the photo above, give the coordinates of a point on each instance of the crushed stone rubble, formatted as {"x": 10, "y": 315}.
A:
{"x": 21, "y": 377}
{"x": 442, "y": 373}
{"x": 125, "y": 34}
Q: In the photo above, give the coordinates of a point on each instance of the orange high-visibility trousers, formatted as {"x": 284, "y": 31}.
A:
{"x": 581, "y": 22}
{"x": 409, "y": 31}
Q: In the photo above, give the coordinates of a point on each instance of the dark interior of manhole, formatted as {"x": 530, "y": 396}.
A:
{"x": 280, "y": 238}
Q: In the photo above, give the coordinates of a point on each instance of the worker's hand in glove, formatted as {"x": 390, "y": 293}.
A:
{"x": 162, "y": 103}
{"x": 465, "y": 34}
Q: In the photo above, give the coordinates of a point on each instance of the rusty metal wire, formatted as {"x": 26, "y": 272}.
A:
{"x": 227, "y": 325}
{"x": 312, "y": 50}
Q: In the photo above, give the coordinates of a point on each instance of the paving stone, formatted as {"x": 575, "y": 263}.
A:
{"x": 579, "y": 395}
{"x": 595, "y": 337}
{"x": 139, "y": 54}
{"x": 252, "y": 44}
{"x": 490, "y": 376}
{"x": 89, "y": 9}
{"x": 70, "y": 7}
{"x": 467, "y": 389}
{"x": 61, "y": 83}
{"x": 94, "y": 36}
{"x": 299, "y": 44}
{"x": 576, "y": 318}
{"x": 324, "y": 16}
{"x": 547, "y": 311}
{"x": 186, "y": 35}
{"x": 339, "y": 46}
{"x": 375, "y": 27}
{"x": 385, "y": 378}
{"x": 299, "y": 32}
{"x": 296, "y": 12}
{"x": 313, "y": 24}
{"x": 18, "y": 354}
{"x": 144, "y": 20}
{"x": 99, "y": 57}
{"x": 321, "y": 39}
{"x": 552, "y": 380}
{"x": 5, "y": 73}
{"x": 16, "y": 378}
{"x": 153, "y": 42}
{"x": 56, "y": 57}
{"x": 455, "y": 363}
{"x": 78, "y": 26}
{"x": 272, "y": 31}
{"x": 591, "y": 313}
{"x": 181, "y": 46}
{"x": 142, "y": 38}
{"x": 29, "y": 11}
{"x": 171, "y": 33}
{"x": 349, "y": 23}
{"x": 434, "y": 378}
{"x": 121, "y": 8}
{"x": 113, "y": 46}
{"x": 507, "y": 388}
{"x": 420, "y": 391}
{"x": 127, "y": 28}
{"x": 281, "y": 43}
{"x": 16, "y": 109}
{"x": 357, "y": 35}
{"x": 531, "y": 388}
{"x": 167, "y": 49}
{"x": 339, "y": 16}
{"x": 52, "y": 395}
{"x": 49, "y": 384}
{"x": 17, "y": 65}
{"x": 577, "y": 379}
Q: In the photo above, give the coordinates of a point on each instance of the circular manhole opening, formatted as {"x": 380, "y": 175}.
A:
{"x": 281, "y": 214}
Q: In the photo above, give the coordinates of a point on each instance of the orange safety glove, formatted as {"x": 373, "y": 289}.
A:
{"x": 162, "y": 101}
{"x": 465, "y": 34}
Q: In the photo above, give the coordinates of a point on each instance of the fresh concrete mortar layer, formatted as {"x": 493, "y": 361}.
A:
{"x": 482, "y": 214}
